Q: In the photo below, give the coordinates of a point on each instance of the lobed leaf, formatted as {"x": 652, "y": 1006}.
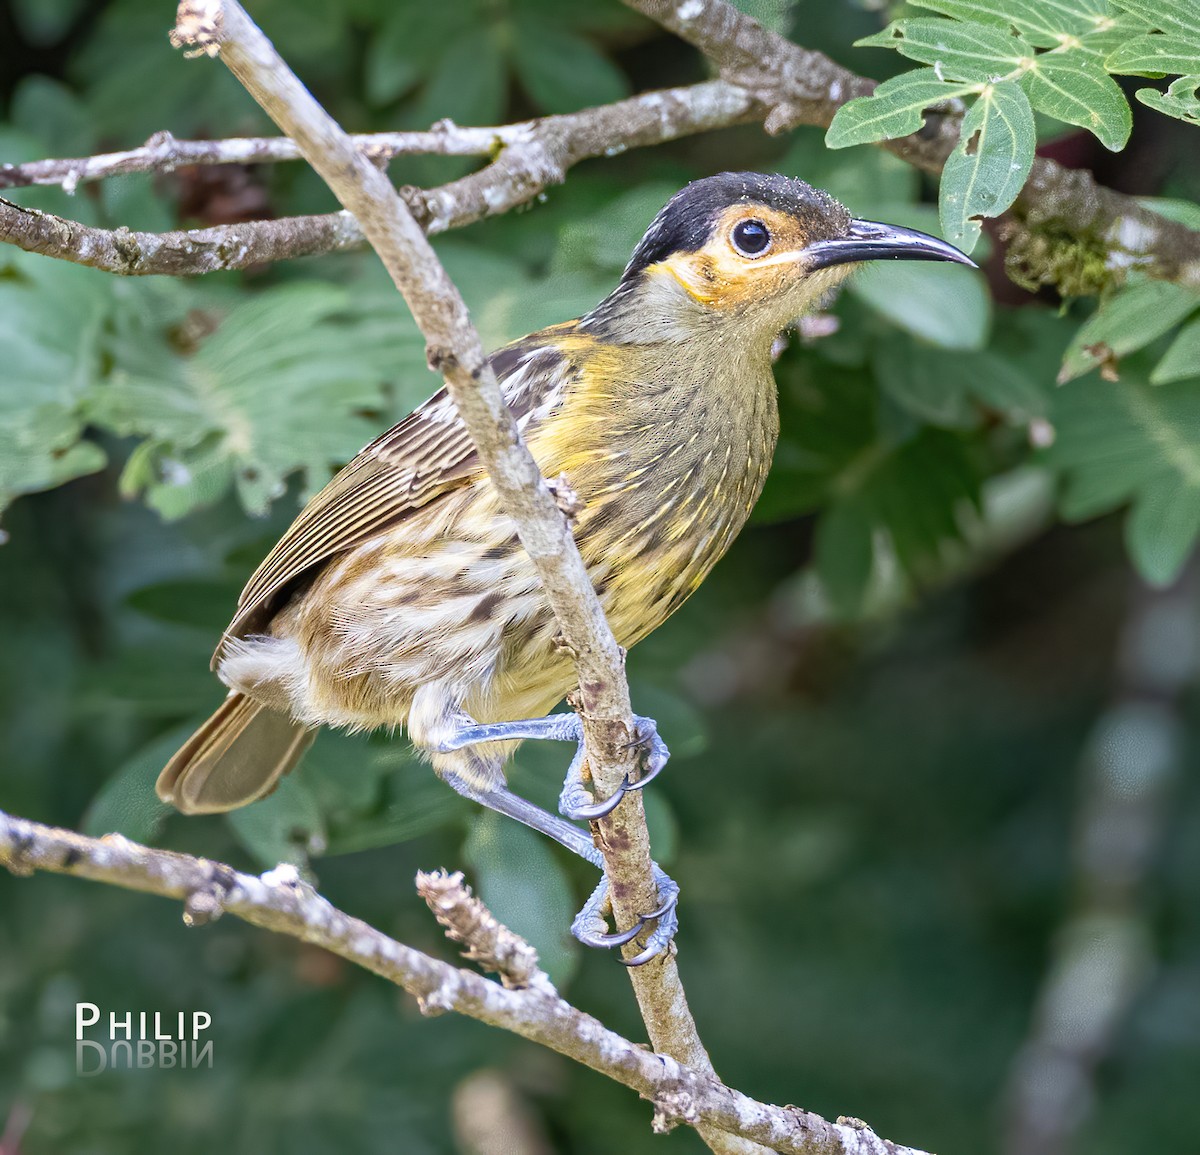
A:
{"x": 896, "y": 108}
{"x": 947, "y": 305}
{"x": 51, "y": 318}
{"x": 283, "y": 383}
{"x": 526, "y": 888}
{"x": 1073, "y": 87}
{"x": 946, "y": 387}
{"x": 990, "y": 163}
{"x": 910, "y": 496}
{"x": 562, "y": 71}
{"x": 1112, "y": 33}
{"x": 957, "y": 50}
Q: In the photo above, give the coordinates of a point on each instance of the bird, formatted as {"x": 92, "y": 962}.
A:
{"x": 401, "y": 595}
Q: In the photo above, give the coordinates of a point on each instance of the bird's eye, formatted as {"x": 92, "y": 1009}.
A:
{"x": 751, "y": 238}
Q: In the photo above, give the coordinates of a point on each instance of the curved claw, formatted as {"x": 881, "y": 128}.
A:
{"x": 617, "y": 938}
{"x": 656, "y": 768}
{"x": 607, "y": 806}
{"x": 657, "y": 943}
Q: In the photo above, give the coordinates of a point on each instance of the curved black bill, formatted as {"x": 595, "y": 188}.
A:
{"x": 872, "y": 241}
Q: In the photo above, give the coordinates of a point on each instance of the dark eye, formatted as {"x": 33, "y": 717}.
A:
{"x": 751, "y": 238}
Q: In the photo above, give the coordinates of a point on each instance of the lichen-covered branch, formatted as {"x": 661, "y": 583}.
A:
{"x": 223, "y": 29}
{"x": 185, "y": 253}
{"x": 280, "y": 901}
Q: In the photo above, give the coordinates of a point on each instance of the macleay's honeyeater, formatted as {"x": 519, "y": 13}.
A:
{"x": 401, "y": 594}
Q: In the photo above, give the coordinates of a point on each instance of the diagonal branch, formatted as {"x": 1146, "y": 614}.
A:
{"x": 222, "y": 27}
{"x": 281, "y": 902}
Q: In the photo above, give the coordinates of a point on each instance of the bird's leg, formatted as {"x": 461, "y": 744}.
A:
{"x": 575, "y": 801}
{"x": 589, "y": 924}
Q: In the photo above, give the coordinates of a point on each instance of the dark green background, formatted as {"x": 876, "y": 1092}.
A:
{"x": 875, "y": 787}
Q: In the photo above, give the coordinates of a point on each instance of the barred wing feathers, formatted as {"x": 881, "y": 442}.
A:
{"x": 426, "y": 455}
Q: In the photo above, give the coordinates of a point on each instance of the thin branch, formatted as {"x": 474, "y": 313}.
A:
{"x": 532, "y": 156}
{"x": 651, "y": 118}
{"x": 176, "y": 254}
{"x": 221, "y": 28}
{"x": 162, "y": 153}
{"x": 281, "y": 902}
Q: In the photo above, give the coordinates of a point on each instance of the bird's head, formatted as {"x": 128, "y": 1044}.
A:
{"x": 749, "y": 252}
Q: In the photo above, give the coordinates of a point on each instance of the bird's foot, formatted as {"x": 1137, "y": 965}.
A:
{"x": 591, "y": 928}
{"x": 577, "y": 803}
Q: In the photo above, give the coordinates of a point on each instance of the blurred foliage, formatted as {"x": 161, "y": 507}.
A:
{"x": 905, "y": 649}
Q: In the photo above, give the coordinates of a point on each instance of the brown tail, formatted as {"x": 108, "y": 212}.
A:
{"x": 236, "y": 757}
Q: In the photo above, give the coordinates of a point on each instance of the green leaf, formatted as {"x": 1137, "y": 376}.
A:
{"x": 957, "y": 50}
{"x": 186, "y": 601}
{"x": 1130, "y": 319}
{"x": 467, "y": 84}
{"x": 896, "y": 108}
{"x": 948, "y": 305}
{"x": 843, "y": 553}
{"x": 773, "y": 14}
{"x": 377, "y": 793}
{"x": 51, "y": 315}
{"x": 926, "y": 382}
{"x": 1182, "y": 359}
{"x": 1112, "y": 33}
{"x": 1042, "y": 24}
{"x": 525, "y": 887}
{"x": 562, "y": 71}
{"x": 990, "y": 163}
{"x": 281, "y": 384}
{"x": 1156, "y": 53}
{"x": 1007, "y": 388}
{"x": 1167, "y": 15}
{"x": 916, "y": 495}
{"x": 945, "y": 387}
{"x": 1180, "y": 211}
{"x": 126, "y": 804}
{"x": 403, "y": 51}
{"x": 1162, "y": 528}
{"x": 286, "y": 826}
{"x": 1180, "y": 99}
{"x": 1132, "y": 442}
{"x": 1073, "y": 87}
